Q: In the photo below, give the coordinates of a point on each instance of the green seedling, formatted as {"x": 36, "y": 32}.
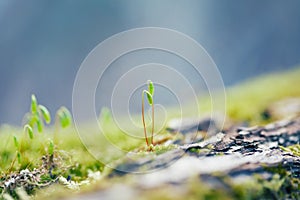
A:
{"x": 28, "y": 129}
{"x": 64, "y": 119}
{"x": 38, "y": 115}
{"x": 34, "y": 104}
{"x": 64, "y": 116}
{"x": 106, "y": 120}
{"x": 149, "y": 93}
{"x": 36, "y": 118}
{"x": 18, "y": 153}
{"x": 45, "y": 113}
{"x": 51, "y": 148}
{"x": 105, "y": 115}
{"x": 16, "y": 143}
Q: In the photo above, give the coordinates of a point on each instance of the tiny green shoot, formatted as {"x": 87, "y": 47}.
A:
{"x": 18, "y": 147}
{"x": 34, "y": 104}
{"x": 64, "y": 118}
{"x": 51, "y": 148}
{"x": 39, "y": 113}
{"x": 149, "y": 93}
{"x": 19, "y": 157}
{"x": 45, "y": 113}
{"x": 39, "y": 125}
{"x": 28, "y": 129}
{"x": 16, "y": 143}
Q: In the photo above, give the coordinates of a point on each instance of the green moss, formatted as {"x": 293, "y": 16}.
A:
{"x": 282, "y": 185}
{"x": 293, "y": 149}
{"x": 160, "y": 149}
{"x": 199, "y": 151}
{"x": 248, "y": 101}
{"x": 245, "y": 102}
{"x": 278, "y": 187}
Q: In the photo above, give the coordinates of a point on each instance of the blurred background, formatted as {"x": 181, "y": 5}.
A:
{"x": 43, "y": 42}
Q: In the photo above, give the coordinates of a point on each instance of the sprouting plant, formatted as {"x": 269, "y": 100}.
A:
{"x": 28, "y": 129}
{"x": 150, "y": 94}
{"x": 18, "y": 153}
{"x": 105, "y": 119}
{"x": 35, "y": 119}
{"x": 64, "y": 119}
{"x": 40, "y": 113}
{"x": 17, "y": 145}
{"x": 51, "y": 167}
{"x": 37, "y": 116}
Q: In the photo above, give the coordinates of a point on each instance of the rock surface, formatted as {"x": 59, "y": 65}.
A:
{"x": 239, "y": 154}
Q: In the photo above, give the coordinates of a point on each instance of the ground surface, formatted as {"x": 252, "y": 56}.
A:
{"x": 224, "y": 162}
{"x": 255, "y": 156}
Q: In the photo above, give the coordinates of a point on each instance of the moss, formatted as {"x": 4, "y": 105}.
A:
{"x": 245, "y": 102}
{"x": 293, "y": 149}
{"x": 248, "y": 101}
{"x": 199, "y": 151}
{"x": 160, "y": 149}
{"x": 282, "y": 185}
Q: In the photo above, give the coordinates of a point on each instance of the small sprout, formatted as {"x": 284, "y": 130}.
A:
{"x": 149, "y": 97}
{"x": 45, "y": 113}
{"x": 34, "y": 104}
{"x": 32, "y": 120}
{"x": 150, "y": 94}
{"x": 51, "y": 148}
{"x": 65, "y": 117}
{"x": 39, "y": 113}
{"x": 16, "y": 142}
{"x": 151, "y": 87}
{"x": 39, "y": 125}
{"x": 18, "y": 154}
{"x": 105, "y": 115}
{"x": 28, "y": 129}
{"x": 19, "y": 157}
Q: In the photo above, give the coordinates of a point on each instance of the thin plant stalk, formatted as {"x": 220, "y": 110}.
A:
{"x": 63, "y": 119}
{"x": 12, "y": 164}
{"x": 152, "y": 123}
{"x": 56, "y": 127}
{"x": 143, "y": 118}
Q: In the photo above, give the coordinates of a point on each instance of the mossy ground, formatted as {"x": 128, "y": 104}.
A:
{"x": 245, "y": 103}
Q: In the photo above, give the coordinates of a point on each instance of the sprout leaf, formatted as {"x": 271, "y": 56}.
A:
{"x": 65, "y": 117}
{"x": 151, "y": 87}
{"x": 19, "y": 157}
{"x": 149, "y": 97}
{"x": 51, "y": 148}
{"x": 16, "y": 142}
{"x": 105, "y": 115}
{"x": 39, "y": 124}
{"x": 34, "y": 104}
{"x": 29, "y": 130}
{"x": 45, "y": 113}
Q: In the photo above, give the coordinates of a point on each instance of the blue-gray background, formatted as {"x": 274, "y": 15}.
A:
{"x": 42, "y": 43}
